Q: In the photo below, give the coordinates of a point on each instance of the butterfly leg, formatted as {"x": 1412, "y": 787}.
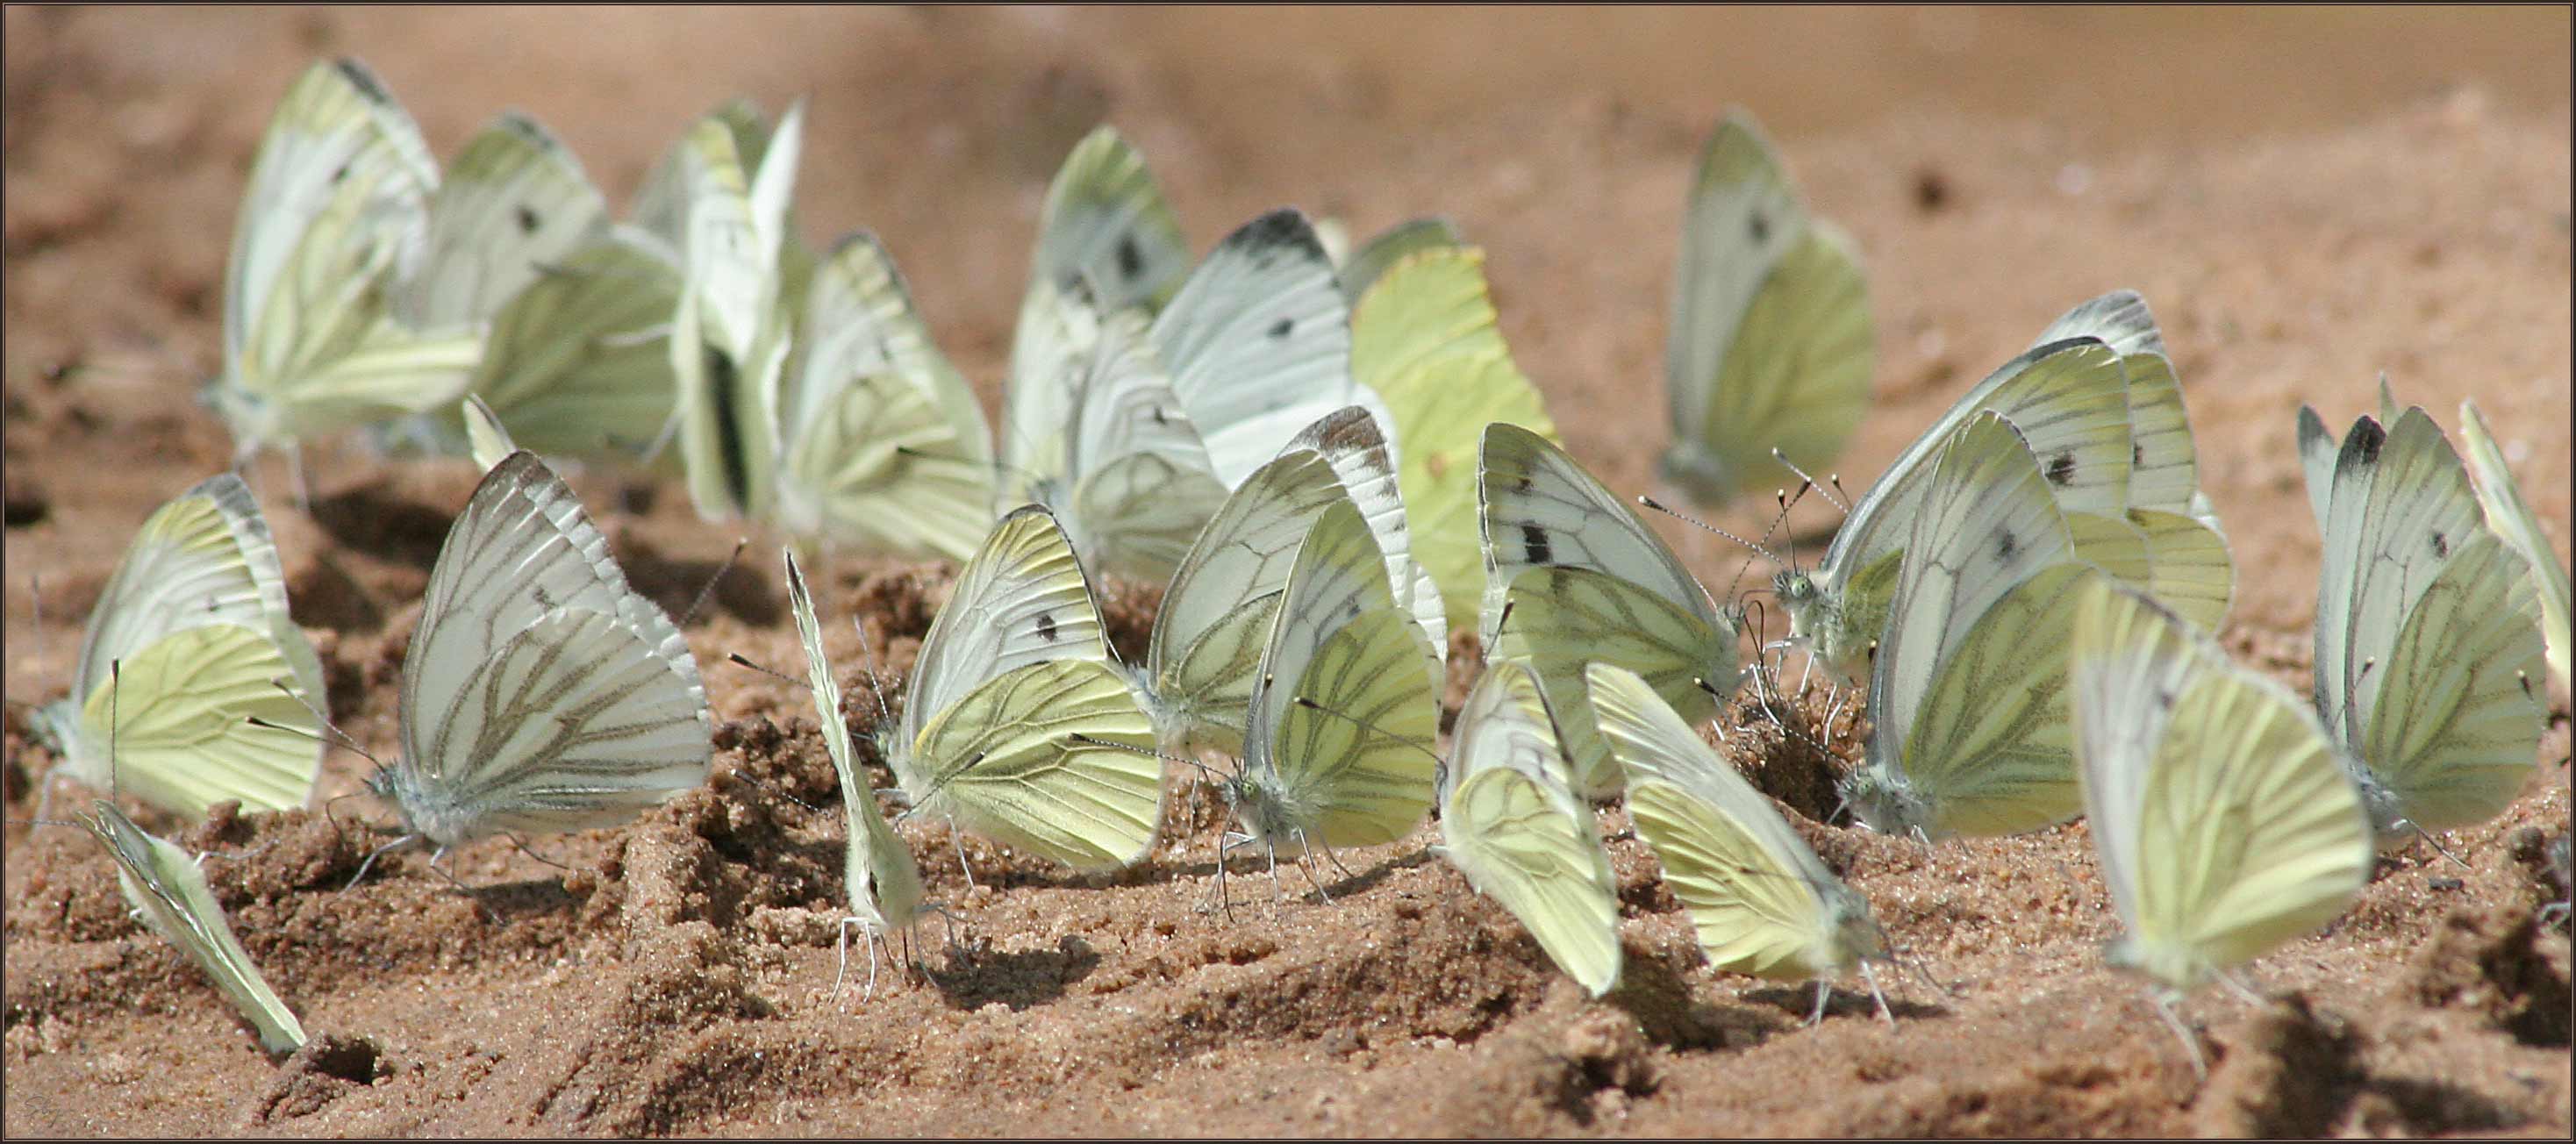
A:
{"x": 955, "y": 836}
{"x": 2236, "y": 983}
{"x": 1824, "y": 990}
{"x": 372, "y": 855}
{"x": 2190, "y": 1043}
{"x": 871, "y": 993}
{"x": 2437, "y": 846}
{"x": 1881, "y": 998}
{"x": 841, "y": 970}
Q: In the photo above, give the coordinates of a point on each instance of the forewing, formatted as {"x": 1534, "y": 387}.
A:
{"x": 514, "y": 202}
{"x": 1542, "y": 510}
{"x": 1008, "y": 762}
{"x": 1258, "y": 342}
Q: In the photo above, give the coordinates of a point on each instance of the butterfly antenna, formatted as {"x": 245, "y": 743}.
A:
{"x": 325, "y": 740}
{"x": 739, "y": 660}
{"x": 868, "y": 653}
{"x": 1686, "y": 518}
{"x": 1834, "y": 479}
{"x": 1205, "y": 771}
{"x": 712, "y": 581}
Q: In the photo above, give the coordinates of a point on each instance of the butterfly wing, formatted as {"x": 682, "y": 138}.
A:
{"x": 1005, "y": 762}
{"x": 1771, "y": 343}
{"x": 1351, "y": 440}
{"x": 1021, "y": 599}
{"x": 1562, "y": 619}
{"x": 1762, "y": 902}
{"x": 1386, "y": 248}
{"x": 2511, "y": 518}
{"x": 579, "y": 360}
{"x": 540, "y": 692}
{"x": 884, "y": 882}
{"x": 1353, "y": 764}
{"x": 1425, "y": 338}
{"x": 1215, "y": 617}
{"x": 1258, "y": 343}
{"x": 884, "y": 447}
{"x": 168, "y": 891}
{"x": 2400, "y": 510}
{"x": 1542, "y": 510}
{"x": 2453, "y": 715}
{"x": 1106, "y": 222}
{"x": 1509, "y": 823}
{"x": 728, "y": 339}
{"x": 514, "y": 202}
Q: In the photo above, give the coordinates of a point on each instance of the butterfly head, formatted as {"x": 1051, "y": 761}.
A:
{"x": 1853, "y": 935}
{"x": 1882, "y": 801}
{"x": 57, "y": 726}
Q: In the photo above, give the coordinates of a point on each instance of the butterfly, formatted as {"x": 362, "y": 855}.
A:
{"x": 1512, "y": 825}
{"x": 1762, "y": 902}
{"x": 1017, "y": 724}
{"x": 731, "y": 334}
{"x": 2224, "y": 823}
{"x": 1360, "y": 269}
{"x": 168, "y": 893}
{"x": 1338, "y": 750}
{"x": 881, "y": 444}
{"x": 1967, "y": 690}
{"x": 2428, "y": 644}
{"x": 884, "y": 883}
{"x": 1424, "y": 336}
{"x": 2068, "y": 399}
{"x": 1572, "y": 577}
{"x": 2168, "y": 542}
{"x": 2511, "y": 518}
{"x": 540, "y": 692}
{"x": 579, "y": 358}
{"x": 1771, "y": 344}
{"x": 191, "y": 640}
{"x": 333, "y": 223}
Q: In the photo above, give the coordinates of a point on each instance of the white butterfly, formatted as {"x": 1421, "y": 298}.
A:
{"x": 1967, "y": 702}
{"x": 1573, "y": 577}
{"x": 731, "y": 335}
{"x": 880, "y": 442}
{"x": 168, "y": 893}
{"x": 1017, "y": 724}
{"x": 1771, "y": 344}
{"x": 191, "y": 639}
{"x": 2428, "y": 645}
{"x": 2511, "y": 518}
{"x": 883, "y": 881}
{"x": 2169, "y": 542}
{"x": 540, "y": 692}
{"x": 1761, "y": 901}
{"x": 1343, "y": 718}
{"x": 1512, "y": 825}
{"x": 335, "y": 219}
{"x": 2224, "y": 823}
{"x": 2069, "y": 400}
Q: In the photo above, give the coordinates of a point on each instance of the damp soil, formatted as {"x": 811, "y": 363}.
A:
{"x": 2307, "y": 199}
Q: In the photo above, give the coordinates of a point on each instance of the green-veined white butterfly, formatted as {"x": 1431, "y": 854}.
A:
{"x": 1574, "y": 577}
{"x": 1105, "y": 222}
{"x": 731, "y": 334}
{"x": 1012, "y": 678}
{"x": 884, "y": 882}
{"x": 168, "y": 893}
{"x": 1425, "y": 337}
{"x": 189, "y": 640}
{"x": 2428, "y": 648}
{"x": 1771, "y": 344}
{"x": 579, "y": 359}
{"x": 1762, "y": 902}
{"x": 335, "y": 219}
{"x": 1512, "y": 825}
{"x": 540, "y": 692}
{"x": 2511, "y": 518}
{"x": 1339, "y": 744}
{"x": 880, "y": 443}
{"x": 660, "y": 210}
{"x": 2224, "y": 824}
{"x": 2168, "y": 542}
{"x": 1361, "y": 268}
{"x": 1967, "y": 691}
{"x": 2068, "y": 399}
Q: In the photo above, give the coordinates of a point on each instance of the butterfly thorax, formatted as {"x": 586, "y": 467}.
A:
{"x": 1851, "y": 934}
{"x": 1882, "y": 800}
{"x": 254, "y": 420}
{"x": 2389, "y": 826}
{"x": 426, "y": 811}
{"x": 57, "y": 725}
{"x": 1267, "y": 810}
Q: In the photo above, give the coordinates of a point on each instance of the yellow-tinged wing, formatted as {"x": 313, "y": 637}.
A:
{"x": 168, "y": 892}
{"x": 1561, "y": 619}
{"x": 1424, "y": 337}
{"x": 2511, "y": 518}
{"x": 884, "y": 883}
{"x": 1005, "y": 762}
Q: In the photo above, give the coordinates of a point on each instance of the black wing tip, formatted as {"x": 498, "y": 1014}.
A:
{"x": 1286, "y": 226}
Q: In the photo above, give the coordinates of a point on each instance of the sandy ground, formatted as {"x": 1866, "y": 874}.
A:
{"x": 2306, "y": 198}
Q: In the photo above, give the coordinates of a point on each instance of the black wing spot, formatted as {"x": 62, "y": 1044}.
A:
{"x": 1159, "y": 419}
{"x": 1535, "y": 545}
{"x": 1046, "y": 627}
{"x": 2006, "y": 544}
{"x": 1282, "y": 327}
{"x": 2061, "y": 469}
{"x": 340, "y": 175}
{"x": 528, "y": 221}
{"x": 2441, "y": 546}
{"x": 2372, "y": 437}
{"x": 1759, "y": 227}
{"x": 1522, "y": 485}
{"x": 1131, "y": 261}
{"x": 2137, "y": 453}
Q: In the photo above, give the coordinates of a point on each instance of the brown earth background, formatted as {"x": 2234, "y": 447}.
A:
{"x": 2306, "y": 198}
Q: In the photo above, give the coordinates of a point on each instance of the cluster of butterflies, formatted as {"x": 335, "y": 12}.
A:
{"x": 1330, "y": 462}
